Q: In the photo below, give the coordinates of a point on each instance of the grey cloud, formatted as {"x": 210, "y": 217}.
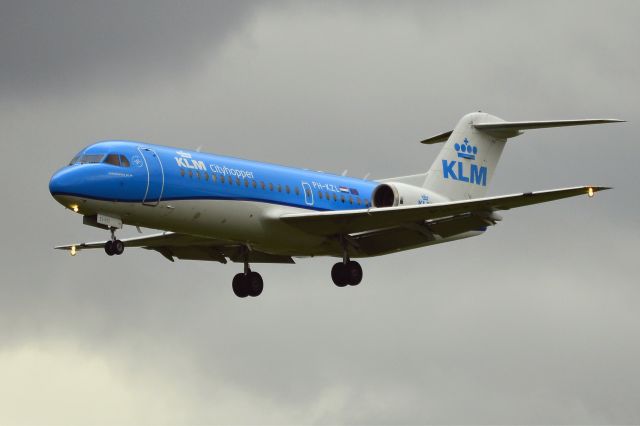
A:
{"x": 66, "y": 46}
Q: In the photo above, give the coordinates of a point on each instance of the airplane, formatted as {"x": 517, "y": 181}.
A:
{"x": 217, "y": 208}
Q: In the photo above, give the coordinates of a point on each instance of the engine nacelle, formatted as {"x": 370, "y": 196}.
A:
{"x": 395, "y": 193}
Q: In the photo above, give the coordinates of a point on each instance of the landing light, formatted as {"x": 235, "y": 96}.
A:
{"x": 590, "y": 192}
{"x": 73, "y": 251}
{"x": 74, "y": 208}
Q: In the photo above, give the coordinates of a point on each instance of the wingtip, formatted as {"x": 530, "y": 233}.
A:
{"x": 590, "y": 190}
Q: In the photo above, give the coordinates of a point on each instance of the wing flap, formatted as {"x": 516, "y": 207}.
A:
{"x": 352, "y": 221}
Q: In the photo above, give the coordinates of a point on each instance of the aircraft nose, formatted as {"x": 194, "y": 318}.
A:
{"x": 61, "y": 182}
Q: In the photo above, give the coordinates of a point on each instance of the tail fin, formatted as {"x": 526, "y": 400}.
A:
{"x": 465, "y": 165}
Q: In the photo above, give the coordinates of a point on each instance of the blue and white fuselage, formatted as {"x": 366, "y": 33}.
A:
{"x": 203, "y": 194}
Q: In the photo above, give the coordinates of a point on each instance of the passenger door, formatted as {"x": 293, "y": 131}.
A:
{"x": 155, "y": 177}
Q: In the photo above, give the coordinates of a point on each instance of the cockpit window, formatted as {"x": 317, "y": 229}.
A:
{"x": 75, "y": 159}
{"x": 91, "y": 158}
{"x": 113, "y": 159}
{"x": 117, "y": 160}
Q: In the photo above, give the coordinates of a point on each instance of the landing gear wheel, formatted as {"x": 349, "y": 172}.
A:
{"x": 240, "y": 285}
{"x": 339, "y": 274}
{"x": 108, "y": 248}
{"x": 254, "y": 284}
{"x": 354, "y": 273}
{"x": 118, "y": 247}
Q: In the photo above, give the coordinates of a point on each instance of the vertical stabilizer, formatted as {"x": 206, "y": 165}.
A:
{"x": 465, "y": 165}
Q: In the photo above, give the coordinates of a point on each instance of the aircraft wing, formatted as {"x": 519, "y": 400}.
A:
{"x": 188, "y": 247}
{"x": 347, "y": 222}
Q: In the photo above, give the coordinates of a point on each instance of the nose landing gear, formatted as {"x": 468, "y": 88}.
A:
{"x": 114, "y": 246}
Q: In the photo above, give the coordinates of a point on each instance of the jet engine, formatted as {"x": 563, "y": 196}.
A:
{"x": 395, "y": 193}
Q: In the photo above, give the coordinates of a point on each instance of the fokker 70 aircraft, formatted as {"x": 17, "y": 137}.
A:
{"x": 218, "y": 208}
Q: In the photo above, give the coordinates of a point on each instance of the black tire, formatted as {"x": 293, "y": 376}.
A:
{"x": 255, "y": 284}
{"x": 339, "y": 274}
{"x": 108, "y": 248}
{"x": 239, "y": 285}
{"x": 354, "y": 273}
{"x": 117, "y": 247}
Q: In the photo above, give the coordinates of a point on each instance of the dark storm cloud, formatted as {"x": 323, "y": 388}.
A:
{"x": 65, "y": 46}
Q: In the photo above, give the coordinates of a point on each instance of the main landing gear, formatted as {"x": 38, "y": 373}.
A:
{"x": 247, "y": 283}
{"x": 347, "y": 272}
{"x": 113, "y": 246}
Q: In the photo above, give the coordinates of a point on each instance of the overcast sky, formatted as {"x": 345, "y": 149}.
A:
{"x": 537, "y": 321}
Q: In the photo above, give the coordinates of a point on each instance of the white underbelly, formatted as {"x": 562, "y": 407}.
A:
{"x": 249, "y": 222}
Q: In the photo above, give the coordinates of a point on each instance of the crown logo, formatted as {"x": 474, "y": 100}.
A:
{"x": 466, "y": 150}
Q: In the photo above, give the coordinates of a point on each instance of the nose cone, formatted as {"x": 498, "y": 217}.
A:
{"x": 64, "y": 182}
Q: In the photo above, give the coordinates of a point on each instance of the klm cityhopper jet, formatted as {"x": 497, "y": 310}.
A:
{"x": 218, "y": 208}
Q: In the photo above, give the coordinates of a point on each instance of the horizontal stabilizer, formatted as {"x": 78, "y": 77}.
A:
{"x": 442, "y": 137}
{"x": 510, "y": 129}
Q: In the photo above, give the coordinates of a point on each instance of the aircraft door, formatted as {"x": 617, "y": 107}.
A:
{"x": 155, "y": 177}
{"x": 308, "y": 194}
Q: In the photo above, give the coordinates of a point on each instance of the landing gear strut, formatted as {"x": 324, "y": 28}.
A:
{"x": 347, "y": 272}
{"x": 247, "y": 283}
{"x": 114, "y": 246}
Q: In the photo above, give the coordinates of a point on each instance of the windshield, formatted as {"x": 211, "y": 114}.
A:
{"x": 91, "y": 158}
{"x": 75, "y": 159}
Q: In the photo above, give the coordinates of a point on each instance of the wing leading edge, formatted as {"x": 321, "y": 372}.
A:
{"x": 189, "y": 247}
{"x": 352, "y": 221}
